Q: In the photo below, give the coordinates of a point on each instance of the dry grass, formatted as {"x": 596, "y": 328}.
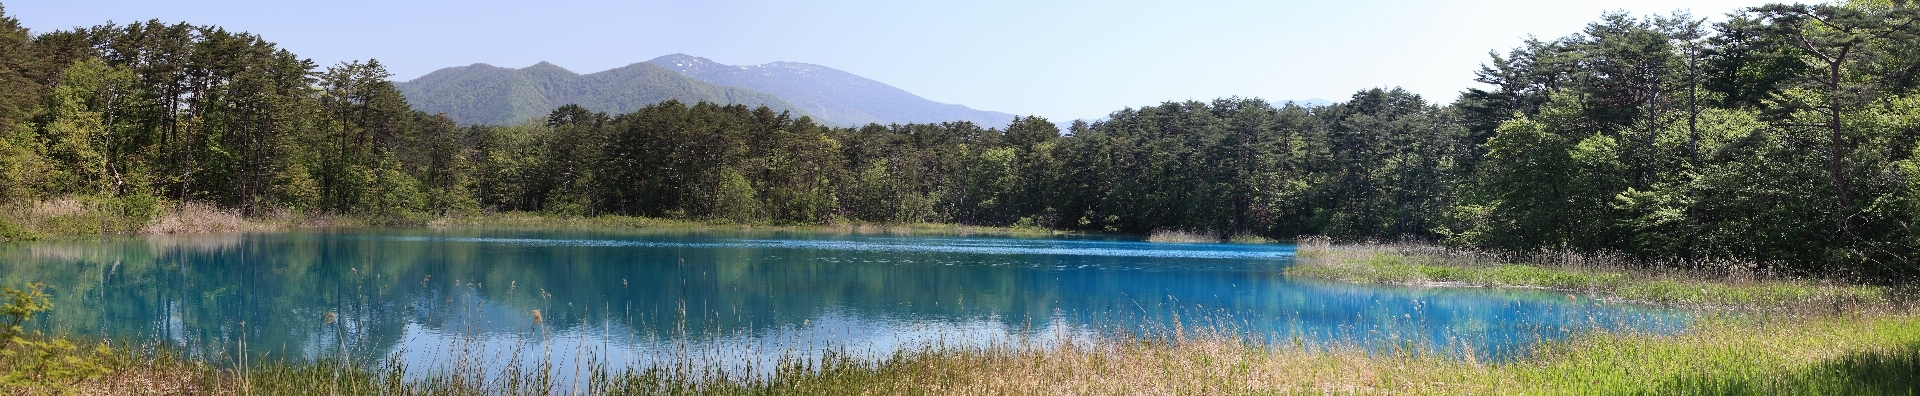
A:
{"x": 66, "y": 206}
{"x": 1251, "y": 238}
{"x": 94, "y": 216}
{"x": 156, "y": 379}
{"x": 199, "y": 218}
{"x": 540, "y": 220}
{"x": 1182, "y": 236}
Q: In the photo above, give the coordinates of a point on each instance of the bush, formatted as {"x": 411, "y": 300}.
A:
{"x": 14, "y": 232}
{"x": 33, "y": 362}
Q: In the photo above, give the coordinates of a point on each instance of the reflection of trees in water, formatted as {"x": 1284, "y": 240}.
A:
{"x": 203, "y": 243}
{"x": 195, "y": 291}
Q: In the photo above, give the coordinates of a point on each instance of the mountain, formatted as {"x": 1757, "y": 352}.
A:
{"x": 1311, "y": 103}
{"x": 831, "y": 96}
{"x": 486, "y": 94}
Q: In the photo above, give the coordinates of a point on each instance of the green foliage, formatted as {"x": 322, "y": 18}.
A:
{"x": 14, "y": 232}
{"x": 392, "y": 195}
{"x": 734, "y": 200}
{"x": 296, "y": 189}
{"x": 32, "y": 362}
{"x": 18, "y": 308}
{"x": 17, "y": 64}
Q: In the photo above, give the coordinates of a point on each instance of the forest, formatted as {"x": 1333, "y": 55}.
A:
{"x": 1785, "y": 135}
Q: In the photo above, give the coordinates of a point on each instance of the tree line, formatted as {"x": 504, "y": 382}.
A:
{"x": 1785, "y": 135}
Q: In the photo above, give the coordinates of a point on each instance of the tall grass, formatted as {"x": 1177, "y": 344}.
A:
{"x": 543, "y": 220}
{"x": 94, "y": 216}
{"x": 1870, "y": 353}
{"x": 82, "y": 216}
{"x": 1869, "y": 349}
{"x": 1699, "y": 284}
{"x": 1183, "y": 236}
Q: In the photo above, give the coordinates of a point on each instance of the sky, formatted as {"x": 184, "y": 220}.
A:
{"x": 1056, "y": 59}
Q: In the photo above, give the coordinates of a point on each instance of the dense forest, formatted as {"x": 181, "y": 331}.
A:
{"x": 1786, "y": 135}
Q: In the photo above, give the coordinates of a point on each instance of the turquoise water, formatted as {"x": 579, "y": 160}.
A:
{"x": 435, "y": 297}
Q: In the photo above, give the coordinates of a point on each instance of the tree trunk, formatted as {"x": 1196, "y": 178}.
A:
{"x": 1836, "y": 152}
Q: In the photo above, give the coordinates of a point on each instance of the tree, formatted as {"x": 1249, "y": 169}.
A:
{"x": 17, "y": 88}
{"x": 85, "y": 134}
{"x": 1850, "y": 46}
{"x": 366, "y": 120}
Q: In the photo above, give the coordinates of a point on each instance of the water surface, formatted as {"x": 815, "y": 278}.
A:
{"x": 432, "y": 297}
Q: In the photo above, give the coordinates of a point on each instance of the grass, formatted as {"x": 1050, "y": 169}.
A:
{"x": 72, "y": 217}
{"x": 1787, "y": 336}
{"x": 95, "y": 216}
{"x": 1609, "y": 277}
{"x": 1181, "y": 236}
{"x": 1874, "y": 352}
{"x": 542, "y": 220}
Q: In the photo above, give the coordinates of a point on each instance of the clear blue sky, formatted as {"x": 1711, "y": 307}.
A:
{"x": 1059, "y": 59}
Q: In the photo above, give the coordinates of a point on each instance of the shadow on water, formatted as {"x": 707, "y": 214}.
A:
{"x": 425, "y": 296}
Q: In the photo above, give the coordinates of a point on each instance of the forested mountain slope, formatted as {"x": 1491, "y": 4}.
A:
{"x": 833, "y": 96}
{"x": 491, "y": 95}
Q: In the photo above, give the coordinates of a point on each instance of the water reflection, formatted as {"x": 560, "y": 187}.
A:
{"x": 432, "y": 296}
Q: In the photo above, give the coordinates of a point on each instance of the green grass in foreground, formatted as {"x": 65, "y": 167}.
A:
{"x": 1395, "y": 266}
{"x": 1850, "y": 353}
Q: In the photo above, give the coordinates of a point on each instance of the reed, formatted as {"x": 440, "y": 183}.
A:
{"x": 1183, "y": 236}
{"x": 199, "y": 218}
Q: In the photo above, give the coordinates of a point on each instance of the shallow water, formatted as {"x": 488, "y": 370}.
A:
{"x": 435, "y": 297}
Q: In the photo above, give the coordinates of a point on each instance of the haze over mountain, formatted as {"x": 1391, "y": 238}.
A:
{"x": 830, "y": 95}
{"x": 1315, "y": 102}
{"x": 487, "y": 94}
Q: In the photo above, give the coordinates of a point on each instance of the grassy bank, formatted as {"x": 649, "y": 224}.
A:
{"x": 1726, "y": 285}
{"x": 89, "y": 217}
{"x": 93, "y": 216}
{"x": 1180, "y": 236}
{"x": 1858, "y": 353}
{"x": 542, "y": 220}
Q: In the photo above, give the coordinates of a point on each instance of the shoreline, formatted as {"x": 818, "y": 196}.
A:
{"x": 41, "y": 223}
{"x": 1738, "y": 345}
{"x": 1431, "y": 266}
{"x": 1871, "y": 352}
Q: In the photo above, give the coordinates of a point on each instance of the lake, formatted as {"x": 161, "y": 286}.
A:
{"x": 436, "y": 298}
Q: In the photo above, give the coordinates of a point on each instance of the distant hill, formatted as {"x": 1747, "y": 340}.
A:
{"x": 1315, "y": 102}
{"x": 486, "y": 94}
{"x": 833, "y": 96}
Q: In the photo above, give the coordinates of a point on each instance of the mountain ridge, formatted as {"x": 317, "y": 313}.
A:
{"x": 485, "y": 94}
{"x": 831, "y": 95}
